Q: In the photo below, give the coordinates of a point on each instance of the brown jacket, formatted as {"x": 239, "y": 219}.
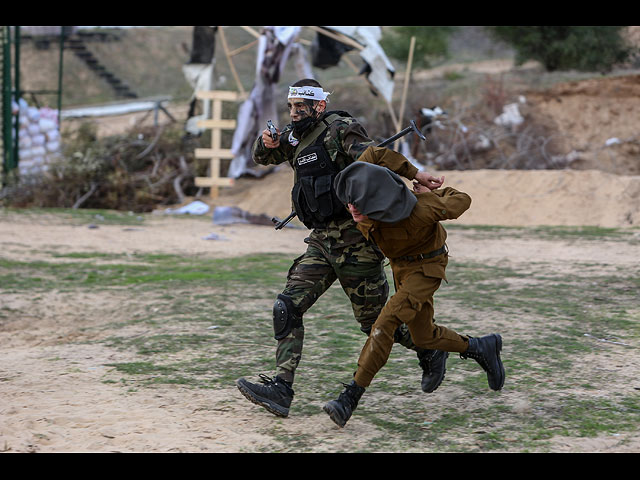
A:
{"x": 421, "y": 232}
{"x": 391, "y": 159}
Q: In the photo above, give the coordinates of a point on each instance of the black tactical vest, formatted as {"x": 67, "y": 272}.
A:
{"x": 313, "y": 196}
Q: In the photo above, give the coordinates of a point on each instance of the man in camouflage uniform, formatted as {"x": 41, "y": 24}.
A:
{"x": 319, "y": 144}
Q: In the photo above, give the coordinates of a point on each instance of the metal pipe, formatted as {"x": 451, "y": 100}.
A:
{"x": 6, "y": 102}
{"x": 18, "y": 95}
{"x": 60, "y": 77}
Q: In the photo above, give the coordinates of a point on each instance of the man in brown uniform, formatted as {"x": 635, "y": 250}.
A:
{"x": 406, "y": 227}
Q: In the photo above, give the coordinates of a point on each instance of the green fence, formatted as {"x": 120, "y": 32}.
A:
{"x": 11, "y": 92}
{"x": 2, "y": 122}
{"x": 4, "y": 46}
{"x": 9, "y": 123}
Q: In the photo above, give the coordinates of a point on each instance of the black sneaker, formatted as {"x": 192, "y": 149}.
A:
{"x": 274, "y": 394}
{"x": 486, "y": 351}
{"x": 433, "y": 363}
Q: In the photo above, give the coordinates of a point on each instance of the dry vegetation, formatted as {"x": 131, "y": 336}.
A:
{"x": 136, "y": 171}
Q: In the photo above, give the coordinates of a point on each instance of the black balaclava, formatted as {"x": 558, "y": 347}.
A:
{"x": 303, "y": 125}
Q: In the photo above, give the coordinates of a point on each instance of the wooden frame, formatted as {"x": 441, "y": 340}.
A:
{"x": 216, "y": 153}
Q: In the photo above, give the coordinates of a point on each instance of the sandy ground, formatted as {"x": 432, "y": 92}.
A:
{"x": 54, "y": 399}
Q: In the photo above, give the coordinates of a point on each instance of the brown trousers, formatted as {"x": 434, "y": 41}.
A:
{"x": 412, "y": 304}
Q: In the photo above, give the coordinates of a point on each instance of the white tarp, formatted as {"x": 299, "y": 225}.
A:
{"x": 382, "y": 71}
{"x": 200, "y": 77}
{"x": 276, "y": 45}
{"x": 115, "y": 109}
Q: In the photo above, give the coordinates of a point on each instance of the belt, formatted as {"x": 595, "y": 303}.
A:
{"x": 422, "y": 256}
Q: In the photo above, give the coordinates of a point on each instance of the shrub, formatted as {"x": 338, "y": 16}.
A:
{"x": 431, "y": 43}
{"x": 584, "y": 48}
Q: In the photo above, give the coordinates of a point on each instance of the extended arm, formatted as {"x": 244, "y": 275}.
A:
{"x": 265, "y": 151}
{"x": 445, "y": 204}
{"x": 399, "y": 164}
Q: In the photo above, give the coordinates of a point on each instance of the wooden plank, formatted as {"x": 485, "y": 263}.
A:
{"x": 225, "y": 47}
{"x": 213, "y": 153}
{"x": 251, "y": 31}
{"x": 407, "y": 77}
{"x": 217, "y": 123}
{"x": 214, "y": 182}
{"x": 341, "y": 37}
{"x": 242, "y": 49}
{"x": 216, "y": 153}
{"x": 227, "y": 95}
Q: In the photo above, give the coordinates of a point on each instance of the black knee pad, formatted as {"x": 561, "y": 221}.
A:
{"x": 285, "y": 317}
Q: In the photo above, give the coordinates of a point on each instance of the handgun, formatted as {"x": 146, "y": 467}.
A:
{"x": 272, "y": 130}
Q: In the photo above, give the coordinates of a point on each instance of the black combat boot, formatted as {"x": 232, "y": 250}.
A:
{"x": 275, "y": 395}
{"x": 433, "y": 363}
{"x": 486, "y": 351}
{"x": 340, "y": 410}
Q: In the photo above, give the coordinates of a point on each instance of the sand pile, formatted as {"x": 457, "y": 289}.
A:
{"x": 500, "y": 197}
{"x": 597, "y": 120}
{"x": 549, "y": 197}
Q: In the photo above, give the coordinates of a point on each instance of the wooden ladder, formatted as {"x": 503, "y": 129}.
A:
{"x": 216, "y": 153}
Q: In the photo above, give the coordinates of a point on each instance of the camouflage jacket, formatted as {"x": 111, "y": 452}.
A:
{"x": 345, "y": 141}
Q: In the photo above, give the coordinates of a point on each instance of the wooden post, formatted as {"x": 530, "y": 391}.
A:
{"x": 407, "y": 77}
{"x": 216, "y": 153}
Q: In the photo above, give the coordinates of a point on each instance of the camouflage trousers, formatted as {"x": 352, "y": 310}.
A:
{"x": 358, "y": 267}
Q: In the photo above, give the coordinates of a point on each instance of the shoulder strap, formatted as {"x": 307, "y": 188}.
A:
{"x": 309, "y": 139}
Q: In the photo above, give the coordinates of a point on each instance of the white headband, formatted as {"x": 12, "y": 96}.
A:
{"x": 312, "y": 93}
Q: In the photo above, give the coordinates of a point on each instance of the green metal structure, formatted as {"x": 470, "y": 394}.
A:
{"x": 12, "y": 92}
{"x": 7, "y": 146}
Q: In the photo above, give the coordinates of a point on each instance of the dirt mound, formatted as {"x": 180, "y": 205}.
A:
{"x": 597, "y": 121}
{"x": 500, "y": 197}
{"x": 549, "y": 197}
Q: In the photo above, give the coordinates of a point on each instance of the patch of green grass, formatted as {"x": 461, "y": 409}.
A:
{"x": 161, "y": 344}
{"x": 79, "y": 216}
{"x": 150, "y": 270}
{"x": 584, "y": 233}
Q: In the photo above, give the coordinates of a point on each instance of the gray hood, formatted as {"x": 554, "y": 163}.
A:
{"x": 376, "y": 191}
